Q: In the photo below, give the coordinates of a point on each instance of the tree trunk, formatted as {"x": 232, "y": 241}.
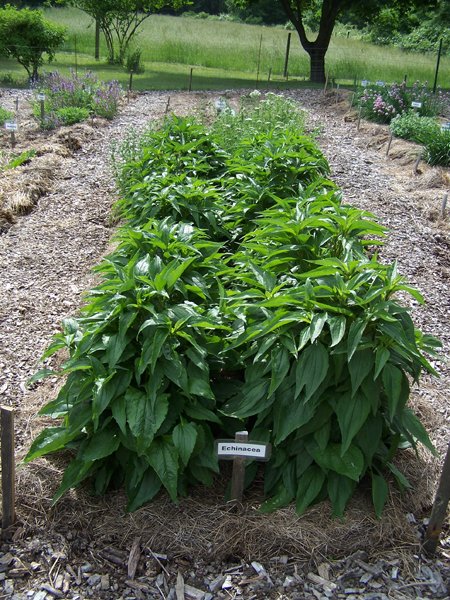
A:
{"x": 317, "y": 64}
{"x": 97, "y": 39}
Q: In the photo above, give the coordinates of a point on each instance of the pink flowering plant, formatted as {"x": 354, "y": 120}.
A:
{"x": 84, "y": 92}
{"x": 381, "y": 103}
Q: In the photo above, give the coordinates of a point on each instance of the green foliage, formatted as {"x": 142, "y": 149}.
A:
{"x": 383, "y": 103}
{"x": 240, "y": 295}
{"x": 5, "y": 115}
{"x": 26, "y": 36}
{"x": 72, "y": 99}
{"x": 411, "y": 126}
{"x": 20, "y": 159}
{"x": 437, "y": 148}
{"x": 70, "y": 115}
{"x": 133, "y": 62}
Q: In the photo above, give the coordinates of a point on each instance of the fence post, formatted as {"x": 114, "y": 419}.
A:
{"x": 437, "y": 66}
{"x": 286, "y": 60}
{"x": 259, "y": 61}
{"x": 190, "y": 80}
{"x": 8, "y": 469}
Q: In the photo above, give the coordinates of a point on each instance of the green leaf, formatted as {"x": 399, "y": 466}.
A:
{"x": 380, "y": 492}
{"x": 102, "y": 443}
{"x": 350, "y": 463}
{"x": 359, "y": 366}
{"x": 104, "y": 392}
{"x": 144, "y": 416}
{"x": 352, "y": 412}
{"x": 401, "y": 480}
{"x": 49, "y": 440}
{"x": 414, "y": 428}
{"x": 145, "y": 491}
{"x": 281, "y": 498}
{"x": 368, "y": 438}
{"x": 42, "y": 374}
{"x": 337, "y": 329}
{"x": 317, "y": 323}
{"x": 382, "y": 355}
{"x": 75, "y": 472}
{"x": 309, "y": 486}
{"x": 184, "y": 437}
{"x": 252, "y": 399}
{"x": 280, "y": 364}
{"x": 201, "y": 413}
{"x": 354, "y": 336}
{"x": 392, "y": 378}
{"x": 340, "y": 490}
{"x": 311, "y": 370}
{"x": 163, "y": 457}
{"x": 151, "y": 349}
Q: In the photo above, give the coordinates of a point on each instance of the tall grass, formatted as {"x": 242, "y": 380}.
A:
{"x": 229, "y": 51}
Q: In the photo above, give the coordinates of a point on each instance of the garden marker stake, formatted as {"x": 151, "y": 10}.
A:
{"x": 8, "y": 469}
{"x": 439, "y": 508}
{"x": 286, "y": 59}
{"x": 389, "y": 144}
{"x": 238, "y": 475}
{"x": 190, "y": 80}
{"x": 444, "y": 204}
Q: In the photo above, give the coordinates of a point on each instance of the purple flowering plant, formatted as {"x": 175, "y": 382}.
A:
{"x": 82, "y": 91}
{"x": 381, "y": 103}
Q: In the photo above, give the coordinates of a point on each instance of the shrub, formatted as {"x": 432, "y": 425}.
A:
{"x": 411, "y": 126}
{"x": 72, "y": 114}
{"x": 239, "y": 296}
{"x": 133, "y": 61}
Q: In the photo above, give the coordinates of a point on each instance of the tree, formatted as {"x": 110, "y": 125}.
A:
{"x": 119, "y": 20}
{"x": 27, "y": 36}
{"x": 328, "y": 12}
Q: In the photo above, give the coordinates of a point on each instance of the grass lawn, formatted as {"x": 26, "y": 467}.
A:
{"x": 225, "y": 55}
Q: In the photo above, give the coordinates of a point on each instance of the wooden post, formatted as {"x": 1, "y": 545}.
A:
{"x": 190, "y": 80}
{"x": 13, "y": 139}
{"x": 238, "y": 475}
{"x": 444, "y": 204}
{"x": 259, "y": 61}
{"x": 389, "y": 144}
{"x": 97, "y": 39}
{"x": 270, "y": 74}
{"x": 42, "y": 109}
{"x": 166, "y": 110}
{"x": 439, "y": 508}
{"x": 17, "y": 103}
{"x": 359, "y": 118}
{"x": 286, "y": 58}
{"x": 8, "y": 468}
{"x": 416, "y": 164}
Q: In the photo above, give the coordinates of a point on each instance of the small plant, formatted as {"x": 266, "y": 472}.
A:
{"x": 20, "y": 159}
{"x": 437, "y": 148}
{"x": 411, "y": 126}
{"x": 5, "y": 115}
{"x": 133, "y": 62}
{"x": 70, "y": 115}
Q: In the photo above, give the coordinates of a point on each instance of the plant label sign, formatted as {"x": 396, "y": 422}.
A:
{"x": 365, "y": 83}
{"x": 41, "y": 97}
{"x": 416, "y": 104}
{"x": 231, "y": 449}
{"x": 445, "y": 127}
{"x": 380, "y": 83}
{"x": 10, "y": 126}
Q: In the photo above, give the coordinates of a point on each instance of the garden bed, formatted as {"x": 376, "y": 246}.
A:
{"x": 45, "y": 262}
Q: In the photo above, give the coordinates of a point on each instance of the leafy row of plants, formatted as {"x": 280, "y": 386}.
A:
{"x": 382, "y": 103}
{"x": 72, "y": 99}
{"x": 240, "y": 296}
{"x": 426, "y": 131}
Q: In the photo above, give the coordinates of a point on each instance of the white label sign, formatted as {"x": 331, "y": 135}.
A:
{"x": 365, "y": 82}
{"x": 41, "y": 97}
{"x": 229, "y": 449}
{"x": 445, "y": 127}
{"x": 416, "y": 104}
{"x": 10, "y": 126}
{"x": 380, "y": 83}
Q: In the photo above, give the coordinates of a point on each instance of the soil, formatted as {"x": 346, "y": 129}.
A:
{"x": 56, "y": 224}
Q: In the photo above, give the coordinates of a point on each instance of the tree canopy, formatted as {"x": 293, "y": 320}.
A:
{"x": 27, "y": 36}
{"x": 119, "y": 20}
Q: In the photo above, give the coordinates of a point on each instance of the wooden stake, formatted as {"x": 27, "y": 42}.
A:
{"x": 416, "y": 164}
{"x": 439, "y": 508}
{"x": 8, "y": 468}
{"x": 389, "y": 144}
{"x": 190, "y": 80}
{"x": 238, "y": 475}
{"x": 42, "y": 109}
{"x": 359, "y": 118}
{"x": 444, "y": 204}
{"x": 166, "y": 110}
{"x": 13, "y": 139}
